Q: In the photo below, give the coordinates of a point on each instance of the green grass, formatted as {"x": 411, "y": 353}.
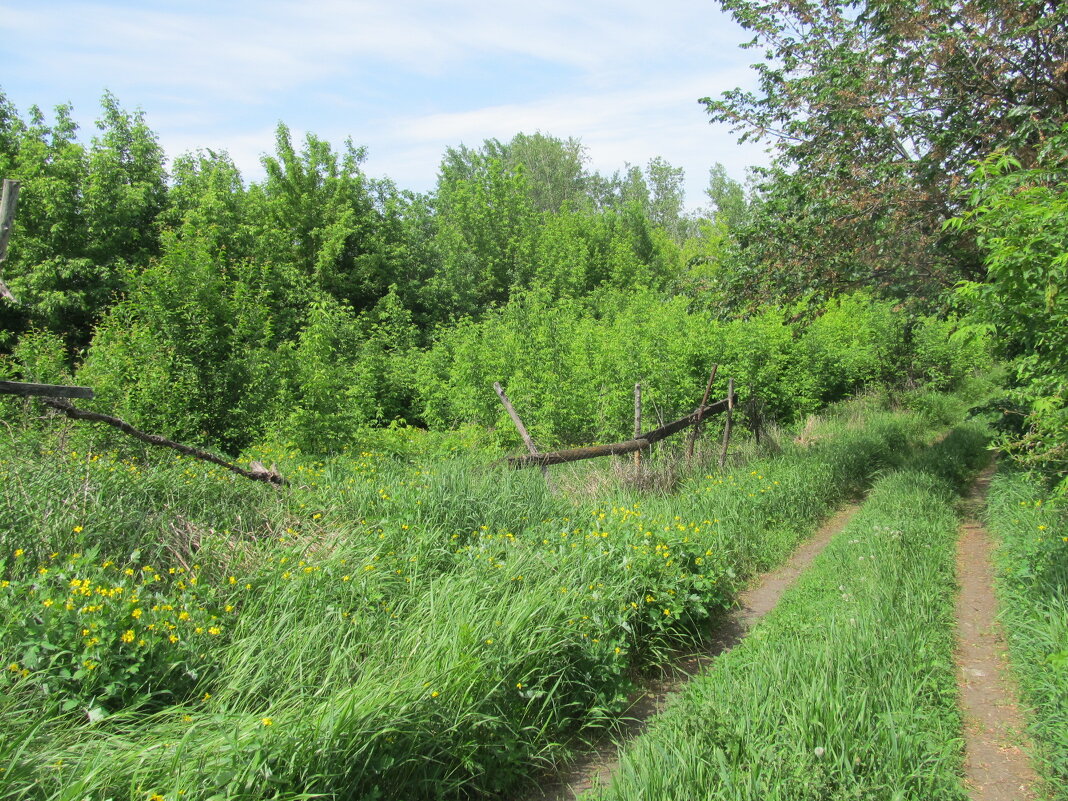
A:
{"x": 846, "y": 690}
{"x": 1032, "y": 562}
{"x": 393, "y": 626}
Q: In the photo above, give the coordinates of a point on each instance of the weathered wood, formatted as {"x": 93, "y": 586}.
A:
{"x": 519, "y": 424}
{"x": 727, "y": 426}
{"x": 578, "y": 454}
{"x": 637, "y": 422}
{"x": 258, "y": 473}
{"x": 8, "y": 203}
{"x": 616, "y": 448}
{"x": 704, "y": 399}
{"x": 45, "y": 390}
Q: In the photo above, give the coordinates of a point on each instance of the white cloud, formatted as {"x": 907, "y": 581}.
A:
{"x": 633, "y": 125}
{"x": 407, "y": 78}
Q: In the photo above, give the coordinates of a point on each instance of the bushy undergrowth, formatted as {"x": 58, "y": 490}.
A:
{"x": 1032, "y": 560}
{"x": 569, "y": 365}
{"x": 390, "y": 627}
{"x": 846, "y": 689}
{"x": 571, "y": 368}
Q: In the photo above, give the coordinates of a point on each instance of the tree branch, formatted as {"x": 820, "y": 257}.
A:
{"x": 257, "y": 474}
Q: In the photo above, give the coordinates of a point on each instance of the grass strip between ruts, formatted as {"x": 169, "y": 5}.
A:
{"x": 846, "y": 690}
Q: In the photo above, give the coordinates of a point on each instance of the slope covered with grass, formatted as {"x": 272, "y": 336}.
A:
{"x": 394, "y": 626}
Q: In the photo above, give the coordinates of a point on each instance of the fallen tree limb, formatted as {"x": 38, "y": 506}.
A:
{"x": 258, "y": 474}
{"x": 616, "y": 448}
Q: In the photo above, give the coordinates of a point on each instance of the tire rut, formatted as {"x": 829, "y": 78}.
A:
{"x": 996, "y": 765}
{"x": 596, "y": 767}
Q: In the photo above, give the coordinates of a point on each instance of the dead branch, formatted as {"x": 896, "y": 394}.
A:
{"x": 258, "y": 473}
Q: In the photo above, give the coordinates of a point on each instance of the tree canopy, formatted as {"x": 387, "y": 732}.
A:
{"x": 875, "y": 110}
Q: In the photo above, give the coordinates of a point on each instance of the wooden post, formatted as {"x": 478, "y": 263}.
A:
{"x": 637, "y": 422}
{"x": 8, "y": 203}
{"x": 727, "y": 427}
{"x": 519, "y": 425}
{"x": 704, "y": 400}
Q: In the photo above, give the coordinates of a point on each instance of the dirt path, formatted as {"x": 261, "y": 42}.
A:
{"x": 995, "y": 768}
{"x": 594, "y": 769}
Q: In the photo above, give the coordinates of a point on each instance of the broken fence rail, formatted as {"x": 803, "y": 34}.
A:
{"x": 616, "y": 448}
{"x": 44, "y": 390}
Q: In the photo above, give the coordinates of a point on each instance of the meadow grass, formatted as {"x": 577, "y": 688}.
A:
{"x": 394, "y": 625}
{"x": 1031, "y": 529}
{"x": 846, "y": 689}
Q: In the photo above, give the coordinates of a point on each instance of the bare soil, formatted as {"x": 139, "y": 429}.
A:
{"x": 996, "y": 765}
{"x": 596, "y": 767}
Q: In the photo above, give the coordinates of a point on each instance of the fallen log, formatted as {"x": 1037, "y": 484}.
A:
{"x": 258, "y": 473}
{"x": 616, "y": 448}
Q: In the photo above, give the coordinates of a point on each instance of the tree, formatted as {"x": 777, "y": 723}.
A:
{"x": 730, "y": 207}
{"x": 875, "y": 109}
{"x": 1020, "y": 218}
{"x": 666, "y": 196}
{"x": 554, "y": 169}
{"x": 486, "y": 227}
{"x": 315, "y": 214}
{"x": 85, "y": 215}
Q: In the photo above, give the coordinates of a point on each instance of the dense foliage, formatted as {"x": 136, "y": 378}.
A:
{"x": 875, "y": 109}
{"x": 317, "y": 302}
{"x": 1020, "y": 218}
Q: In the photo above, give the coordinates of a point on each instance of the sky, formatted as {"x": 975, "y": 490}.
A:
{"x": 405, "y": 78}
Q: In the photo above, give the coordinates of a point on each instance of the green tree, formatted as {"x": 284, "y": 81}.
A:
{"x": 554, "y": 169}
{"x": 666, "y": 197}
{"x": 730, "y": 206}
{"x": 1020, "y": 218}
{"x": 486, "y": 227}
{"x": 84, "y": 215}
{"x": 315, "y": 213}
{"x": 875, "y": 109}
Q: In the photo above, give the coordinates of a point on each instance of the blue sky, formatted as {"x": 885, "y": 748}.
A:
{"x": 406, "y": 78}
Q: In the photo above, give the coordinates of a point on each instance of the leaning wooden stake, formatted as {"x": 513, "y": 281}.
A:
{"x": 637, "y": 422}
{"x": 727, "y": 426}
{"x": 704, "y": 400}
{"x": 8, "y": 203}
{"x": 519, "y": 425}
{"x": 260, "y": 474}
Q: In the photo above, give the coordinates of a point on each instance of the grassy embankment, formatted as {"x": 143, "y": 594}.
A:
{"x": 846, "y": 689}
{"x": 1032, "y": 562}
{"x": 392, "y": 626}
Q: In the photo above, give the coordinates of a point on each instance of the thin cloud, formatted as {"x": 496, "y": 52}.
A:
{"x": 407, "y": 78}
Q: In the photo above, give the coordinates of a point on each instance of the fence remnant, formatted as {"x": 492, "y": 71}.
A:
{"x": 727, "y": 425}
{"x": 44, "y": 390}
{"x": 8, "y": 203}
{"x": 704, "y": 400}
{"x": 637, "y": 422}
{"x": 519, "y": 424}
{"x": 629, "y": 446}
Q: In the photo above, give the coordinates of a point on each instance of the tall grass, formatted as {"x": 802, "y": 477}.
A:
{"x": 390, "y": 627}
{"x": 1032, "y": 563}
{"x": 846, "y": 689}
